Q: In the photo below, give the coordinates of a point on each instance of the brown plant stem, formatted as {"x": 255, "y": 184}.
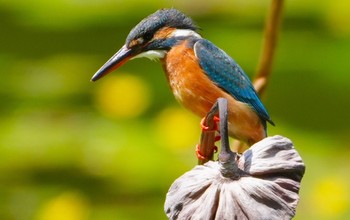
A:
{"x": 272, "y": 25}
{"x": 206, "y": 146}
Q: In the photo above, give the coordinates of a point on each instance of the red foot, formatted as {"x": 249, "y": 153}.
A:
{"x": 200, "y": 156}
{"x": 217, "y": 138}
{"x": 206, "y": 128}
{"x": 198, "y": 153}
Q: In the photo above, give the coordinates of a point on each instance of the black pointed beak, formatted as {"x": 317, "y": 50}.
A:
{"x": 116, "y": 61}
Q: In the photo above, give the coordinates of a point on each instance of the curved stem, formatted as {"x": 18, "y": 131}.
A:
{"x": 227, "y": 158}
{"x": 208, "y": 137}
{"x": 222, "y": 104}
{"x": 272, "y": 25}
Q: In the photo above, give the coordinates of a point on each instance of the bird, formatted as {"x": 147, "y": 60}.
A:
{"x": 197, "y": 71}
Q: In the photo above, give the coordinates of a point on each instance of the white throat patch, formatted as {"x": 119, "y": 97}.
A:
{"x": 152, "y": 54}
{"x": 185, "y": 33}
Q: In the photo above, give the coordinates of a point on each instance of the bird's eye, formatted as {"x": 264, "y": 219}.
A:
{"x": 147, "y": 37}
{"x": 141, "y": 40}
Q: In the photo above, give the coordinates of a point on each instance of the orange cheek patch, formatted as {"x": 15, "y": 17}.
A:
{"x": 164, "y": 33}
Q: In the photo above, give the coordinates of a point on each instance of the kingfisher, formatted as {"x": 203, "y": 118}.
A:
{"x": 197, "y": 71}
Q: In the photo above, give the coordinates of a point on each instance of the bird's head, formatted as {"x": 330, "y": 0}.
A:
{"x": 151, "y": 38}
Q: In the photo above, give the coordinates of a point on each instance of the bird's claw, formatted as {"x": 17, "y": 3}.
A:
{"x": 206, "y": 128}
{"x": 200, "y": 156}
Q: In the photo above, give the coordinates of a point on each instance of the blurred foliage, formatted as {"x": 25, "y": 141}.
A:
{"x": 76, "y": 150}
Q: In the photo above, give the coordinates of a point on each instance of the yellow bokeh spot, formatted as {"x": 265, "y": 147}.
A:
{"x": 339, "y": 17}
{"x": 67, "y": 206}
{"x": 331, "y": 197}
{"x": 177, "y": 128}
{"x": 122, "y": 96}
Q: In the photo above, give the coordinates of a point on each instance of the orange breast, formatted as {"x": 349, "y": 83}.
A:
{"x": 193, "y": 88}
{"x": 189, "y": 84}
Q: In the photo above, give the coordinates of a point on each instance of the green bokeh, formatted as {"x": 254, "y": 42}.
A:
{"x": 53, "y": 139}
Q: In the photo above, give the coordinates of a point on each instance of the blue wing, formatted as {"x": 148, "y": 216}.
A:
{"x": 228, "y": 75}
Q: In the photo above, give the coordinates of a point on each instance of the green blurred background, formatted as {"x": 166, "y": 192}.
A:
{"x": 75, "y": 150}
